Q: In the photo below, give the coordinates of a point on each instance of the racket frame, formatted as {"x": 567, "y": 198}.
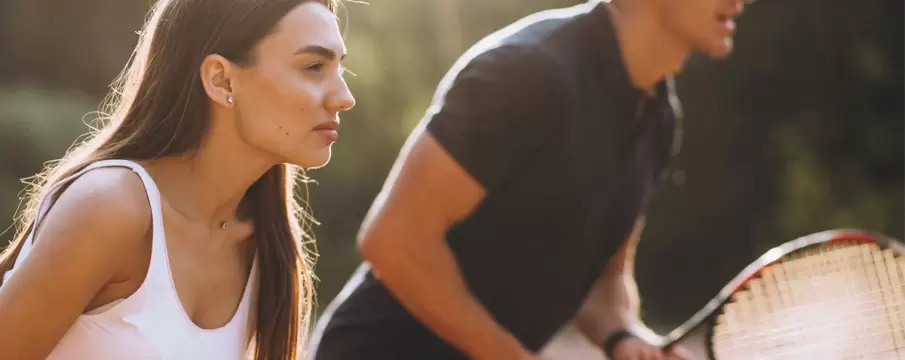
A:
{"x": 707, "y": 314}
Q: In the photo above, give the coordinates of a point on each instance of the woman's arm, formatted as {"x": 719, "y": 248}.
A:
{"x": 96, "y": 227}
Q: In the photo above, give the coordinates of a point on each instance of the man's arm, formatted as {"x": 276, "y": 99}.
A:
{"x": 613, "y": 303}
{"x": 403, "y": 238}
{"x": 498, "y": 110}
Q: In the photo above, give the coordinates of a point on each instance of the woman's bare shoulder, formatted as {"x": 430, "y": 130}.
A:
{"x": 108, "y": 204}
{"x": 97, "y": 227}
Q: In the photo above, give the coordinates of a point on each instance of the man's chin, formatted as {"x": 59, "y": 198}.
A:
{"x": 720, "y": 50}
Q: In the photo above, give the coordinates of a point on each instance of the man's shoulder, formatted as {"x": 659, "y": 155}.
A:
{"x": 531, "y": 41}
{"x": 535, "y": 32}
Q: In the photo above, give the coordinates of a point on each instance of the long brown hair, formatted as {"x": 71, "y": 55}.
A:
{"x": 157, "y": 107}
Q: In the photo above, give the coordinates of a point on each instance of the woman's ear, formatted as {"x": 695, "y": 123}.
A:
{"x": 215, "y": 77}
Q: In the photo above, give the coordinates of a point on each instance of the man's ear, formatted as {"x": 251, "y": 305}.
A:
{"x": 216, "y": 72}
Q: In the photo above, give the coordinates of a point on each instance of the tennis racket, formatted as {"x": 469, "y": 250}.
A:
{"x": 838, "y": 294}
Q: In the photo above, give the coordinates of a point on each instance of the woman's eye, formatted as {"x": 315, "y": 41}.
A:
{"x": 315, "y": 67}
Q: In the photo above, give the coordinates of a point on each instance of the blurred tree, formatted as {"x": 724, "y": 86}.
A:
{"x": 32, "y": 132}
{"x": 799, "y": 131}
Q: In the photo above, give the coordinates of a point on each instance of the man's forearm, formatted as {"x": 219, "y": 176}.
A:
{"x": 428, "y": 283}
{"x": 614, "y": 303}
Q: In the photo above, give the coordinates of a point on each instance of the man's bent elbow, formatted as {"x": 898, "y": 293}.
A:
{"x": 375, "y": 246}
{"x": 369, "y": 246}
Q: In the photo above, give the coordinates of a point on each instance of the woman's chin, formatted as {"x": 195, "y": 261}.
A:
{"x": 315, "y": 161}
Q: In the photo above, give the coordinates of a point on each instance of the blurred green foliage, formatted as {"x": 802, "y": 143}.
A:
{"x": 799, "y": 131}
{"x": 33, "y": 133}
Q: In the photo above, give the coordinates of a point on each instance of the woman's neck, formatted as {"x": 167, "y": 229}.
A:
{"x": 209, "y": 185}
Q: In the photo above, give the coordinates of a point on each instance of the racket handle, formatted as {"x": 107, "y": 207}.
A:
{"x": 694, "y": 343}
{"x": 609, "y": 345}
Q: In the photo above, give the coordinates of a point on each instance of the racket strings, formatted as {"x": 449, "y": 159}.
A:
{"x": 740, "y": 334}
{"x": 755, "y": 338}
{"x": 840, "y": 301}
{"x": 813, "y": 329}
{"x": 854, "y": 304}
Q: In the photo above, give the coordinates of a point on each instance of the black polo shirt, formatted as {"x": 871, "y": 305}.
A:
{"x": 543, "y": 115}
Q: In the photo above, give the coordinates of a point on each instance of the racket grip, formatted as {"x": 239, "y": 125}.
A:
{"x": 670, "y": 345}
{"x": 609, "y": 345}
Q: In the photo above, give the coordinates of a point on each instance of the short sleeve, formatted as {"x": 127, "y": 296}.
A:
{"x": 498, "y": 110}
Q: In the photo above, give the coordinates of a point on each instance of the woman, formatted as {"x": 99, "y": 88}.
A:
{"x": 173, "y": 232}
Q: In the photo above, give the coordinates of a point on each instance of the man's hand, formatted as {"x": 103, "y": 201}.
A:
{"x": 633, "y": 348}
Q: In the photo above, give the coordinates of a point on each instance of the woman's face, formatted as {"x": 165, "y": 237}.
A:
{"x": 288, "y": 101}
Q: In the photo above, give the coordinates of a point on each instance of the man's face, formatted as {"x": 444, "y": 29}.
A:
{"x": 704, "y": 25}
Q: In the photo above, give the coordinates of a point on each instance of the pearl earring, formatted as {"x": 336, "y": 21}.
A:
{"x": 229, "y": 99}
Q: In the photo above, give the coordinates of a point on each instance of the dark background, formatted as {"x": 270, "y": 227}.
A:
{"x": 800, "y": 130}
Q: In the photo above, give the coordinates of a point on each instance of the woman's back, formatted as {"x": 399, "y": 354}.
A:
{"x": 150, "y": 322}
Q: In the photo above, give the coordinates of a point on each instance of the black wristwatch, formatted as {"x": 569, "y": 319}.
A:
{"x": 614, "y": 339}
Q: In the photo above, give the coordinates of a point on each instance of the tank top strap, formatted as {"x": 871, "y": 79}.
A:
{"x": 151, "y": 191}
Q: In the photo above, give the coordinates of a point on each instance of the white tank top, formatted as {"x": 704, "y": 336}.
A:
{"x": 151, "y": 323}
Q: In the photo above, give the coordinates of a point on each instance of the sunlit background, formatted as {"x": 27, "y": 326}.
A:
{"x": 801, "y": 130}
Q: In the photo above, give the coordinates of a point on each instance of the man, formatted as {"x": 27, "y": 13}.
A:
{"x": 521, "y": 195}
